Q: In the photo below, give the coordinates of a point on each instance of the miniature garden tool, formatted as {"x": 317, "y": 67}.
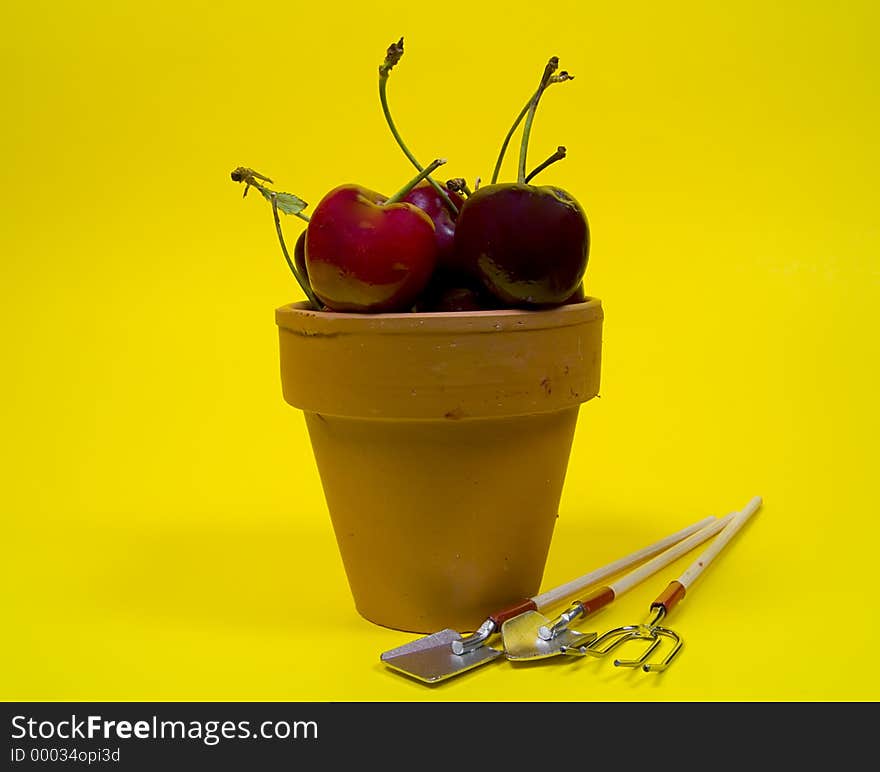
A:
{"x": 447, "y": 653}
{"x": 531, "y": 635}
{"x": 660, "y": 608}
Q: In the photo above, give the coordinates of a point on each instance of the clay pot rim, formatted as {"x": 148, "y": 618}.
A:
{"x": 294, "y": 316}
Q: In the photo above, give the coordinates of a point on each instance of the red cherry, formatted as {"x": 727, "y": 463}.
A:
{"x": 426, "y": 198}
{"x": 528, "y": 245}
{"x": 363, "y": 255}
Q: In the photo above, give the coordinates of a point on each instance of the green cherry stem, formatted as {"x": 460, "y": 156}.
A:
{"x": 303, "y": 283}
{"x": 423, "y": 174}
{"x": 392, "y": 57}
{"x": 252, "y": 179}
{"x": 507, "y": 139}
{"x": 562, "y": 76}
{"x": 557, "y": 156}
{"x": 551, "y": 67}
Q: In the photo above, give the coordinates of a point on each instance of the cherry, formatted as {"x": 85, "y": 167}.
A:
{"x": 458, "y": 299}
{"x": 367, "y": 253}
{"x": 429, "y": 201}
{"x": 528, "y": 244}
{"x": 578, "y": 296}
{"x": 299, "y": 256}
{"x": 452, "y": 291}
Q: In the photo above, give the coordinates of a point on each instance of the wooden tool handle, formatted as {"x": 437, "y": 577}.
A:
{"x": 571, "y": 589}
{"x": 677, "y": 589}
{"x": 630, "y": 580}
{"x": 736, "y": 521}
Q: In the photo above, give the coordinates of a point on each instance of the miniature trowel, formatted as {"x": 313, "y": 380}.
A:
{"x": 447, "y": 653}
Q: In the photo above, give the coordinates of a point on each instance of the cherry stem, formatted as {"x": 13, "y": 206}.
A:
{"x": 393, "y": 55}
{"x": 250, "y": 179}
{"x": 507, "y": 139}
{"x": 551, "y": 79}
{"x": 557, "y": 156}
{"x": 551, "y": 67}
{"x": 303, "y": 283}
{"x": 423, "y": 174}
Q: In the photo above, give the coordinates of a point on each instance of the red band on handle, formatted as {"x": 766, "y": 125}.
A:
{"x": 669, "y": 598}
{"x": 597, "y": 599}
{"x": 501, "y": 617}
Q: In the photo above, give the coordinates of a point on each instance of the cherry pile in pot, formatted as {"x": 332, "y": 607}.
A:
{"x": 435, "y": 247}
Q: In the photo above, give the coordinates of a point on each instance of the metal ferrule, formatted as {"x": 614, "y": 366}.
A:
{"x": 561, "y": 623}
{"x": 475, "y": 639}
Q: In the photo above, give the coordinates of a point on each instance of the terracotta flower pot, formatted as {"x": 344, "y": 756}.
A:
{"x": 442, "y": 442}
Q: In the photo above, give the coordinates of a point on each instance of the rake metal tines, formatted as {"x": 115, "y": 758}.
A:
{"x": 652, "y": 631}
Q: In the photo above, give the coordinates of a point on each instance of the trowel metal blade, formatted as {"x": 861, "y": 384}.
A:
{"x": 521, "y": 639}
{"x": 442, "y": 638}
{"x": 431, "y": 658}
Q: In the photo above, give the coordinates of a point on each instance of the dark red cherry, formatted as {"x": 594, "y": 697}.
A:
{"x": 527, "y": 244}
{"x": 299, "y": 256}
{"x": 578, "y": 296}
{"x": 452, "y": 291}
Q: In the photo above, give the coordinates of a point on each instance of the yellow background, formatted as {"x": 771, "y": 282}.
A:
{"x": 164, "y": 529}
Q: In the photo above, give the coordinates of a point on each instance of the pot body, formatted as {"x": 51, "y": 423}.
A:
{"x": 442, "y": 442}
